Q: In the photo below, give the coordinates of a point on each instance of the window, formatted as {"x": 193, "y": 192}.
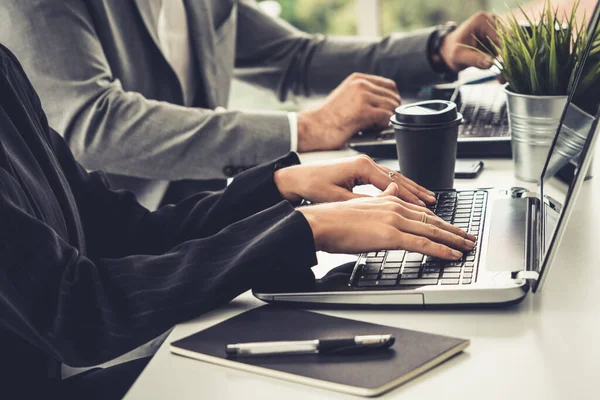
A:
{"x": 401, "y": 16}
{"x": 333, "y": 17}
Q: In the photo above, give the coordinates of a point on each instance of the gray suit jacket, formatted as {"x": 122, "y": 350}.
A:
{"x": 109, "y": 90}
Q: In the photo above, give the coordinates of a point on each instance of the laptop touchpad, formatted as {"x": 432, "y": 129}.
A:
{"x": 506, "y": 247}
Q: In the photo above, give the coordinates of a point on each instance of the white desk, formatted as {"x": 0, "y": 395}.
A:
{"x": 545, "y": 348}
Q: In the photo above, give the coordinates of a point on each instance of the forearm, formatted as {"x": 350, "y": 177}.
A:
{"x": 273, "y": 54}
{"x": 203, "y": 215}
{"x": 85, "y": 311}
{"x": 400, "y": 57}
{"x": 104, "y": 117}
{"x": 124, "y": 133}
{"x": 158, "y": 292}
{"x": 116, "y": 225}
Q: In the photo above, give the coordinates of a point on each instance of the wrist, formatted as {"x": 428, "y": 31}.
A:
{"x": 439, "y": 56}
{"x": 287, "y": 184}
{"x": 313, "y": 223}
{"x": 306, "y": 122}
{"x": 318, "y": 130}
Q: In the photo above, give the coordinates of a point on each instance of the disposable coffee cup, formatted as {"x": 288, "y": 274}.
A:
{"x": 426, "y": 137}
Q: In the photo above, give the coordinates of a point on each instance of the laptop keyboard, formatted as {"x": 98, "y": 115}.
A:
{"x": 483, "y": 108}
{"x": 393, "y": 268}
{"x": 484, "y": 112}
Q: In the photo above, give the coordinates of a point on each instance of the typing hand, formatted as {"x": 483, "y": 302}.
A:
{"x": 361, "y": 101}
{"x": 385, "y": 222}
{"x": 334, "y": 181}
{"x": 478, "y": 28}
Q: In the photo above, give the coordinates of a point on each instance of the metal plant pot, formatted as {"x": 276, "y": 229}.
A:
{"x": 533, "y": 121}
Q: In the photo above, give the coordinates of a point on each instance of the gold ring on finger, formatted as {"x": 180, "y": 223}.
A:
{"x": 424, "y": 218}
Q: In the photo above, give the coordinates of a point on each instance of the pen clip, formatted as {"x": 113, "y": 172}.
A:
{"x": 350, "y": 346}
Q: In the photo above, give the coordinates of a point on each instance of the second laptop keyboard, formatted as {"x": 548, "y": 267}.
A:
{"x": 484, "y": 111}
{"x": 387, "y": 268}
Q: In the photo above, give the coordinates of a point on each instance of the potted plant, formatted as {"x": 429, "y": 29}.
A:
{"x": 537, "y": 58}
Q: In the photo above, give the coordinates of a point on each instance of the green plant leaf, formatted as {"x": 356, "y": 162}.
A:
{"x": 541, "y": 61}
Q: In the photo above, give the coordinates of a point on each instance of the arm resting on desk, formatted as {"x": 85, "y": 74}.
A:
{"x": 86, "y": 308}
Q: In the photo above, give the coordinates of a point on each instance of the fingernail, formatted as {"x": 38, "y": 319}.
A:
{"x": 470, "y": 244}
{"x": 422, "y": 203}
{"x": 431, "y": 198}
{"x": 457, "y": 254}
{"x": 472, "y": 237}
{"x": 485, "y": 64}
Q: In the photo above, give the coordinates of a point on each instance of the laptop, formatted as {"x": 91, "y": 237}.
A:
{"x": 479, "y": 98}
{"x": 518, "y": 233}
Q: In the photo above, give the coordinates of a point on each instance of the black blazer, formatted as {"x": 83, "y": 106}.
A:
{"x": 87, "y": 274}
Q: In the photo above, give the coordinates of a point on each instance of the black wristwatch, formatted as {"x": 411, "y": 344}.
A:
{"x": 434, "y": 47}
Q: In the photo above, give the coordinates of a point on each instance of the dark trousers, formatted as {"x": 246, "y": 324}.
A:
{"x": 103, "y": 383}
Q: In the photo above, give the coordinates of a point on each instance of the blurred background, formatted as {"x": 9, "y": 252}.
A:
{"x": 369, "y": 18}
{"x": 340, "y": 17}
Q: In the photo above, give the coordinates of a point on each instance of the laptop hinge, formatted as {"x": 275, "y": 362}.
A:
{"x": 533, "y": 233}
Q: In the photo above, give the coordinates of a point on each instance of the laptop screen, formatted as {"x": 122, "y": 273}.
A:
{"x": 570, "y": 149}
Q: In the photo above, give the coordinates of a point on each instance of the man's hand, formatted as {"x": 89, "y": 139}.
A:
{"x": 478, "y": 28}
{"x": 334, "y": 181}
{"x": 386, "y": 222}
{"x": 361, "y": 101}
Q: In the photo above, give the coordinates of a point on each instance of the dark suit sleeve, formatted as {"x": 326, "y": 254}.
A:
{"x": 85, "y": 311}
{"x": 143, "y": 272}
{"x": 124, "y": 227}
{"x": 273, "y": 54}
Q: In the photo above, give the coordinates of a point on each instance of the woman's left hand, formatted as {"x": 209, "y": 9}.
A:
{"x": 334, "y": 180}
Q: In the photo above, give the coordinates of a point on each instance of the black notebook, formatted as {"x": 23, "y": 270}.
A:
{"x": 368, "y": 374}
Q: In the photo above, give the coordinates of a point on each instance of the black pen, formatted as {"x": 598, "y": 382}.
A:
{"x": 344, "y": 345}
{"x": 480, "y": 79}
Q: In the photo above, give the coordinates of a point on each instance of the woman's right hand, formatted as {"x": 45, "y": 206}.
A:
{"x": 384, "y": 223}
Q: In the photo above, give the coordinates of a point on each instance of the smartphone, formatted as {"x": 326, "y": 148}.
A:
{"x": 467, "y": 169}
